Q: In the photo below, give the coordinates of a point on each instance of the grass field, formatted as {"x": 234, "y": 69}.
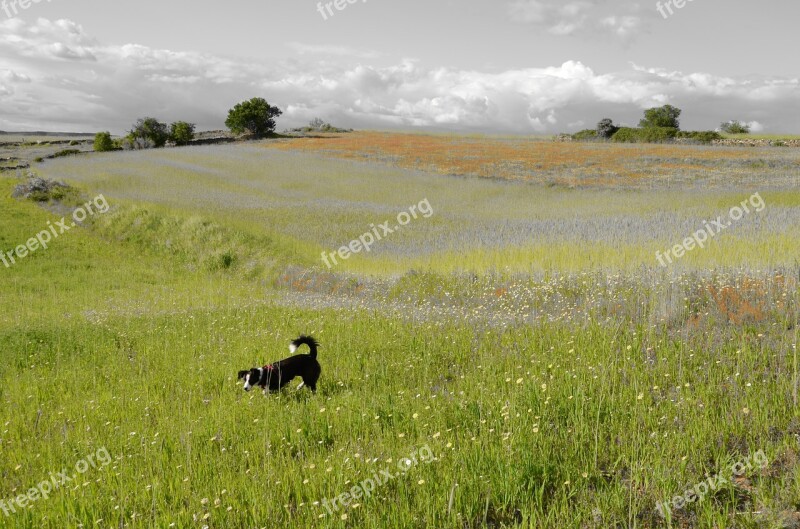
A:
{"x": 521, "y": 344}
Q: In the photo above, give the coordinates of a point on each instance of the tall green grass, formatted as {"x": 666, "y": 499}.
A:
{"x": 564, "y": 383}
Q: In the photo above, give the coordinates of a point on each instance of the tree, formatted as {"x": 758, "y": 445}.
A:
{"x": 734, "y": 127}
{"x": 103, "y": 142}
{"x": 255, "y": 116}
{"x": 150, "y": 129}
{"x": 666, "y": 116}
{"x": 606, "y": 128}
{"x": 181, "y": 132}
{"x": 316, "y": 124}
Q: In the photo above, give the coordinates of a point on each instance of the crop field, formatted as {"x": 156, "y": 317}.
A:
{"x": 511, "y": 353}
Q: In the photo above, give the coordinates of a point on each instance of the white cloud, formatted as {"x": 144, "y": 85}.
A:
{"x": 106, "y": 87}
{"x": 623, "y": 27}
{"x": 579, "y": 17}
{"x": 10, "y": 76}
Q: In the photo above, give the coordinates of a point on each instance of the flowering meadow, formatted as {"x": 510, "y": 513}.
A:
{"x": 524, "y": 335}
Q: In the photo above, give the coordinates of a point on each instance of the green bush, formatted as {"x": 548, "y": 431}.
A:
{"x": 103, "y": 142}
{"x": 645, "y": 135}
{"x": 66, "y": 152}
{"x": 153, "y": 132}
{"x": 734, "y": 127}
{"x": 626, "y": 135}
{"x": 181, "y": 132}
{"x": 585, "y": 135}
{"x": 699, "y": 136}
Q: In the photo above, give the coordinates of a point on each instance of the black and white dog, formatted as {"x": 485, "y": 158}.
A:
{"x": 273, "y": 377}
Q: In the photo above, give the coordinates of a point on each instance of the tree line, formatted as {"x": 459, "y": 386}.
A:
{"x": 660, "y": 124}
{"x": 255, "y": 117}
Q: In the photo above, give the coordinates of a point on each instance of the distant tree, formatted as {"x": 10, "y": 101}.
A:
{"x": 734, "y": 127}
{"x": 255, "y": 116}
{"x": 316, "y": 124}
{"x": 150, "y": 129}
{"x": 181, "y": 132}
{"x": 666, "y": 116}
{"x": 103, "y": 142}
{"x": 606, "y": 128}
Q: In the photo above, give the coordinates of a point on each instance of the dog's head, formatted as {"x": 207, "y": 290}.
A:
{"x": 251, "y": 377}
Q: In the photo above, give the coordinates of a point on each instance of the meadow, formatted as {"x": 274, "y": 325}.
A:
{"x": 523, "y": 337}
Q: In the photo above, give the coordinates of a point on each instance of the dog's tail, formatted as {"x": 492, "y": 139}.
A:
{"x": 305, "y": 340}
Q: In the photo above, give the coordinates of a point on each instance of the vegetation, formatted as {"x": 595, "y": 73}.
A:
{"x": 606, "y": 129}
{"x": 318, "y": 125}
{"x": 255, "y": 117}
{"x": 66, "y": 152}
{"x": 559, "y": 377}
{"x": 103, "y": 142}
{"x": 665, "y": 117}
{"x": 572, "y": 164}
{"x": 585, "y": 135}
{"x": 734, "y": 127}
{"x": 659, "y": 125}
{"x": 181, "y": 132}
{"x": 703, "y": 137}
{"x": 148, "y": 132}
{"x": 645, "y": 135}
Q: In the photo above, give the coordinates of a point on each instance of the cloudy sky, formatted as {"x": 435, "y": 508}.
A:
{"x": 516, "y": 66}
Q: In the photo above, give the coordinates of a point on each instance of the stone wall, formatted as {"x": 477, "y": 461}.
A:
{"x": 750, "y": 142}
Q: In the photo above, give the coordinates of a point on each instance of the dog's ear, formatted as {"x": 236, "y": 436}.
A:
{"x": 243, "y": 374}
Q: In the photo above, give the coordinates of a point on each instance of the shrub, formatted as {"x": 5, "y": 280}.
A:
{"x": 152, "y": 130}
{"x": 103, "y": 142}
{"x": 42, "y": 189}
{"x": 181, "y": 132}
{"x": 65, "y": 152}
{"x": 134, "y": 143}
{"x": 606, "y": 128}
{"x": 255, "y": 116}
{"x": 585, "y": 135}
{"x": 626, "y": 135}
{"x": 734, "y": 127}
{"x": 645, "y": 135}
{"x": 700, "y": 136}
{"x": 317, "y": 124}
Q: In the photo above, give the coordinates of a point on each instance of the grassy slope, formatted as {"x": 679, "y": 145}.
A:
{"x": 125, "y": 344}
